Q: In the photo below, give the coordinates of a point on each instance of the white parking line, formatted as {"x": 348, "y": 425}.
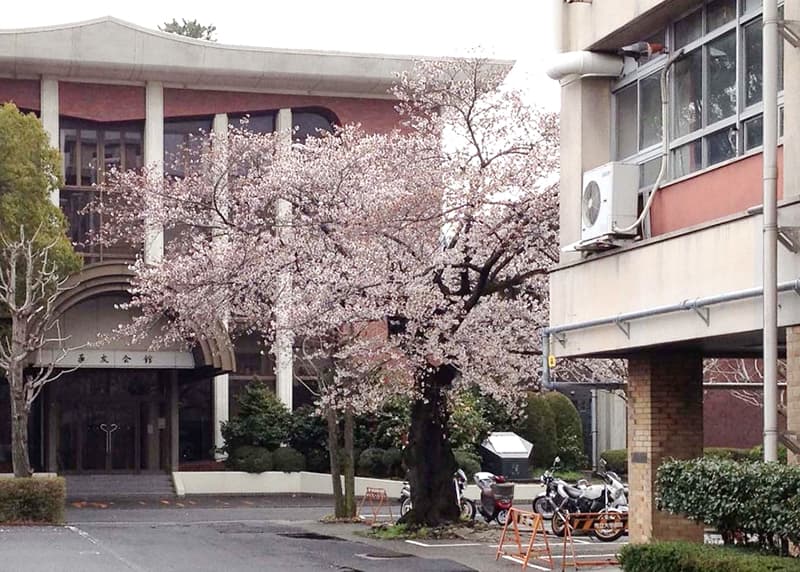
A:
{"x": 520, "y": 561}
{"x": 418, "y": 543}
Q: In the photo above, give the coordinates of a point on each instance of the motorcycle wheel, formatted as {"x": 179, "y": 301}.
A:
{"x": 467, "y": 509}
{"x": 559, "y": 523}
{"x": 608, "y": 526}
{"x": 543, "y": 505}
{"x": 501, "y": 516}
{"x": 405, "y": 506}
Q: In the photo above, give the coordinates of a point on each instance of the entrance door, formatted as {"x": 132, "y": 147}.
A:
{"x": 110, "y": 437}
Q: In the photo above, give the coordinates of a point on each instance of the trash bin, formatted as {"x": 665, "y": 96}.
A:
{"x": 506, "y": 453}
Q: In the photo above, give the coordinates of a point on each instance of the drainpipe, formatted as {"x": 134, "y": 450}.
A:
{"x": 770, "y": 229}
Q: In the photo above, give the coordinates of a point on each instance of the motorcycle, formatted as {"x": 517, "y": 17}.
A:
{"x": 497, "y": 496}
{"x": 466, "y": 506}
{"x": 609, "y": 502}
{"x": 547, "y": 502}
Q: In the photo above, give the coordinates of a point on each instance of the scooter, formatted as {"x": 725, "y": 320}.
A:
{"x": 466, "y": 506}
{"x": 497, "y": 496}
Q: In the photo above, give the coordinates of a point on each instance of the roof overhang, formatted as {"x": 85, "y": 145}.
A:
{"x": 109, "y": 49}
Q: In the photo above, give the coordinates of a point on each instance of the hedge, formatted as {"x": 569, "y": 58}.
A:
{"x": 250, "y": 459}
{"x": 288, "y": 460}
{"x": 690, "y": 557}
{"x": 739, "y": 499}
{"x": 617, "y": 459}
{"x": 468, "y": 461}
{"x": 34, "y": 500}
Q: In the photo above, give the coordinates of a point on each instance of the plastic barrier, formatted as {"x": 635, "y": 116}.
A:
{"x": 375, "y": 500}
{"x": 585, "y": 522}
{"x": 524, "y": 551}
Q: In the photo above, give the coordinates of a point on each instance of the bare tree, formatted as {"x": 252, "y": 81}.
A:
{"x": 30, "y": 282}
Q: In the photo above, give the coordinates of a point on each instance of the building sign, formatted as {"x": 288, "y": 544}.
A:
{"x": 130, "y": 359}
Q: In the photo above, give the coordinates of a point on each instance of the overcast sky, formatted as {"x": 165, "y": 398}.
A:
{"x": 512, "y": 29}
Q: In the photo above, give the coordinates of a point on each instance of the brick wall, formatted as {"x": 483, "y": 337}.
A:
{"x": 665, "y": 419}
{"x": 23, "y": 92}
{"x": 101, "y": 102}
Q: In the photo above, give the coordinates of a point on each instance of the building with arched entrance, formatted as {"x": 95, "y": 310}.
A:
{"x": 112, "y": 94}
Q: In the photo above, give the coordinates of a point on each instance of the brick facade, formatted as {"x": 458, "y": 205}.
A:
{"x": 665, "y": 419}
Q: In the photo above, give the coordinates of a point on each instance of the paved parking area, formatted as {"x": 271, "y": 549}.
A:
{"x": 243, "y": 535}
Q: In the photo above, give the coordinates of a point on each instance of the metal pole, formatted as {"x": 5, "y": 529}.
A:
{"x": 770, "y": 236}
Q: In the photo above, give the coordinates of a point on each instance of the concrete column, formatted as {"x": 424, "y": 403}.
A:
{"x": 221, "y": 412}
{"x": 154, "y": 159}
{"x": 48, "y": 96}
{"x": 174, "y": 422}
{"x": 793, "y": 387}
{"x": 284, "y": 337}
{"x": 665, "y": 420}
{"x": 53, "y": 432}
{"x": 153, "y": 437}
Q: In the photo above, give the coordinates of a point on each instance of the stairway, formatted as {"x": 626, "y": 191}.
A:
{"x": 115, "y": 486}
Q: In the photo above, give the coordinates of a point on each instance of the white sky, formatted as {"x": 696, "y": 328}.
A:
{"x": 512, "y": 29}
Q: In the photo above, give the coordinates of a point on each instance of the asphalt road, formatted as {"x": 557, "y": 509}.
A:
{"x": 236, "y": 535}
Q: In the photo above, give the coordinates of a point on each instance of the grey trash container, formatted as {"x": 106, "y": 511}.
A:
{"x": 506, "y": 453}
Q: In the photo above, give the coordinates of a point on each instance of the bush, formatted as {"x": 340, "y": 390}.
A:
{"x": 616, "y": 460}
{"x": 250, "y": 459}
{"x": 468, "y": 461}
{"x": 39, "y": 500}
{"x": 370, "y": 463}
{"x": 467, "y": 426}
{"x": 690, "y": 557}
{"x": 288, "y": 460}
{"x": 569, "y": 430}
{"x": 393, "y": 462}
{"x": 539, "y": 427}
{"x": 318, "y": 461}
{"x": 308, "y": 431}
{"x": 263, "y": 420}
{"x": 736, "y": 498}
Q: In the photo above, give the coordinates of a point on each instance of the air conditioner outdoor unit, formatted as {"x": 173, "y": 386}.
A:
{"x": 609, "y": 200}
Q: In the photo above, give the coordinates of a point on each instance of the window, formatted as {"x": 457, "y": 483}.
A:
{"x": 306, "y": 123}
{"x": 181, "y": 135}
{"x": 258, "y": 122}
{"x": 715, "y": 92}
{"x": 89, "y": 151}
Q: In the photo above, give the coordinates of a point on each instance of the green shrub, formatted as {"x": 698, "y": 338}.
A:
{"x": 307, "y": 430}
{"x": 318, "y": 461}
{"x": 690, "y": 557}
{"x": 250, "y": 459}
{"x": 616, "y": 460}
{"x": 538, "y": 426}
{"x": 467, "y": 426}
{"x": 569, "y": 430}
{"x": 736, "y": 498}
{"x": 263, "y": 420}
{"x": 370, "y": 463}
{"x": 393, "y": 462}
{"x": 757, "y": 454}
{"x": 39, "y": 500}
{"x": 468, "y": 461}
{"x": 288, "y": 460}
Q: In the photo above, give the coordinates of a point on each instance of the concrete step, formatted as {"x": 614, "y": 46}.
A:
{"x": 119, "y": 485}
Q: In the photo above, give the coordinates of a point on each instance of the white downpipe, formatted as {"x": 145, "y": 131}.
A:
{"x": 770, "y": 228}
{"x": 584, "y": 64}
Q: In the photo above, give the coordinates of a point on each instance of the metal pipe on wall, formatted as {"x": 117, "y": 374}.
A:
{"x": 770, "y": 228}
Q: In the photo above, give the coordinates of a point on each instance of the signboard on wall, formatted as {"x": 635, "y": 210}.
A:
{"x": 118, "y": 359}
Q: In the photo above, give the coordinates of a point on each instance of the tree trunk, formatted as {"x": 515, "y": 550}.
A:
{"x": 19, "y": 425}
{"x": 428, "y": 455}
{"x": 339, "y": 510}
{"x": 349, "y": 465}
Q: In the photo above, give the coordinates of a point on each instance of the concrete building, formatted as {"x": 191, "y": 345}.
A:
{"x": 110, "y": 93}
{"x": 649, "y": 294}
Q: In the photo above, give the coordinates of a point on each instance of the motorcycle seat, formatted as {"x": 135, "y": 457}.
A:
{"x": 573, "y": 492}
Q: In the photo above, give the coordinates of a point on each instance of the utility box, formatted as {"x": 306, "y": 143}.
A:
{"x": 506, "y": 453}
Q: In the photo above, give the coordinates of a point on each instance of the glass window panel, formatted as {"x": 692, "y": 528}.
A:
{"x": 720, "y": 13}
{"x": 780, "y": 122}
{"x": 721, "y": 146}
{"x": 309, "y": 123}
{"x": 722, "y": 77}
{"x": 650, "y": 120}
{"x": 687, "y": 159}
{"x": 648, "y": 172}
{"x": 112, "y": 150}
{"x": 69, "y": 142}
{"x": 88, "y": 147}
{"x": 750, "y": 5}
{"x": 626, "y": 121}
{"x": 181, "y": 135}
{"x": 688, "y": 80}
{"x": 753, "y": 133}
{"x": 688, "y": 29}
{"x": 752, "y": 62}
{"x": 133, "y": 155}
{"x": 257, "y": 123}
{"x": 660, "y": 38}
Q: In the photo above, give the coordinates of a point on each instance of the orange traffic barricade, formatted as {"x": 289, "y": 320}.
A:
{"x": 585, "y": 522}
{"x": 374, "y": 500}
{"x": 518, "y": 524}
